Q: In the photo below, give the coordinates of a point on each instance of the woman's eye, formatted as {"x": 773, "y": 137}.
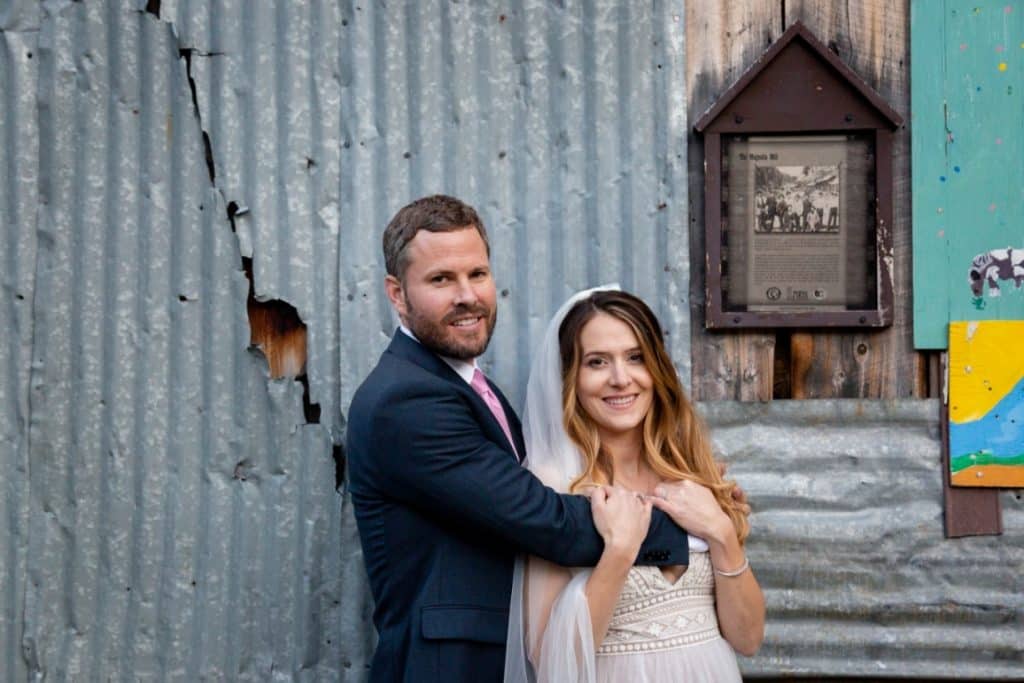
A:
{"x": 637, "y": 358}
{"x": 595, "y": 362}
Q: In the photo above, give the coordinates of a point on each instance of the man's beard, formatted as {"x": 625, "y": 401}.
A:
{"x": 439, "y": 338}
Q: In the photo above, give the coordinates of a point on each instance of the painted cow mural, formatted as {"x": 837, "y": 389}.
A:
{"x": 993, "y": 266}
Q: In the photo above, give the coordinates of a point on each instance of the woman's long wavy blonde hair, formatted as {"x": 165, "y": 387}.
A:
{"x": 676, "y": 442}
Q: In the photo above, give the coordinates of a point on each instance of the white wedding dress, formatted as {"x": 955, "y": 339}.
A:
{"x": 660, "y": 632}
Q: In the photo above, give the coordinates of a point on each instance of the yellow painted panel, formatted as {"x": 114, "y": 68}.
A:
{"x": 986, "y": 360}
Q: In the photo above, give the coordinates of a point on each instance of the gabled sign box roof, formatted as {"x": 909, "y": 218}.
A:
{"x": 798, "y": 85}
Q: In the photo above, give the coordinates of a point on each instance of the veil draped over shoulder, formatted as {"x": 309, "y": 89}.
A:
{"x": 549, "y": 619}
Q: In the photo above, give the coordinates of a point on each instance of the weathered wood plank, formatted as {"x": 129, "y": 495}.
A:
{"x": 722, "y": 40}
{"x": 871, "y": 37}
{"x": 966, "y": 511}
{"x": 838, "y": 365}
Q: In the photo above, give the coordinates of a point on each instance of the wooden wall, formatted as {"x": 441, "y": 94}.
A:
{"x": 872, "y": 37}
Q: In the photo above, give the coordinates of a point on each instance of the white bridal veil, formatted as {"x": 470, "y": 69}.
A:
{"x": 549, "y": 620}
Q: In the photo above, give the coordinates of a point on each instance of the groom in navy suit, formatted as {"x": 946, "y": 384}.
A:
{"x": 434, "y": 451}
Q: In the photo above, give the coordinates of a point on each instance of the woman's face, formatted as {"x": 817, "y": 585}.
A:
{"x": 613, "y": 385}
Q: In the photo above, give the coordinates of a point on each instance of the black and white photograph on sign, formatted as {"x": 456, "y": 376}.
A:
{"x": 796, "y": 199}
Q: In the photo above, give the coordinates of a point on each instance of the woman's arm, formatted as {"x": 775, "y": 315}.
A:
{"x": 739, "y": 601}
{"x": 566, "y": 615}
{"x": 622, "y": 518}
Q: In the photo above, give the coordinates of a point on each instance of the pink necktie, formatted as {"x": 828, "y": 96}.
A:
{"x": 480, "y": 386}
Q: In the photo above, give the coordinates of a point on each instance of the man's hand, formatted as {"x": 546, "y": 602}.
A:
{"x": 622, "y": 518}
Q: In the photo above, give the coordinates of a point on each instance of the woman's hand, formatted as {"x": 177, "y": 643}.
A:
{"x": 694, "y": 508}
{"x": 621, "y": 517}
{"x": 738, "y": 598}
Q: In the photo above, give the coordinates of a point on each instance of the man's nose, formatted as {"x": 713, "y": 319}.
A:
{"x": 465, "y": 293}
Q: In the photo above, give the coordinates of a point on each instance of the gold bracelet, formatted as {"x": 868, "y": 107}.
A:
{"x": 736, "y": 572}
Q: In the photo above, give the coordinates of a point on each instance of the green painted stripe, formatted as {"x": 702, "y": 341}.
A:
{"x": 962, "y": 462}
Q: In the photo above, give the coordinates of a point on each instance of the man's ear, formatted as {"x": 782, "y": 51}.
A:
{"x": 393, "y": 288}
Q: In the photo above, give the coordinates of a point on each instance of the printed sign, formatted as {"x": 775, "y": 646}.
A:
{"x": 798, "y": 221}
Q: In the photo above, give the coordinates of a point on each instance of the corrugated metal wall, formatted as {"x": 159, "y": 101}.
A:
{"x": 847, "y": 542}
{"x": 168, "y": 514}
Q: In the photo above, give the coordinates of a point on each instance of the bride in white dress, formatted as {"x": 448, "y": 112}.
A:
{"x": 606, "y": 416}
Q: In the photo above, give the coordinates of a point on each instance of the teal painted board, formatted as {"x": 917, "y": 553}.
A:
{"x": 967, "y": 101}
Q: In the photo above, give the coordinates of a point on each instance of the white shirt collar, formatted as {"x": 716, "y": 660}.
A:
{"x": 463, "y": 368}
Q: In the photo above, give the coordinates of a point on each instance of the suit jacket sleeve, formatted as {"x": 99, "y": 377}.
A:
{"x": 432, "y": 456}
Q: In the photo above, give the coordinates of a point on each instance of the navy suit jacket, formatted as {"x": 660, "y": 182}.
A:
{"x": 443, "y": 506}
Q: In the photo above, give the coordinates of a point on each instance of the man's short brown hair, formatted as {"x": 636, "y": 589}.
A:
{"x": 436, "y": 213}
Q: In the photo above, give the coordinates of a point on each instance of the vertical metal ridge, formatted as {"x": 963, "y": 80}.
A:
{"x": 283, "y": 228}
{"x": 519, "y": 153}
{"x": 377, "y": 146}
{"x": 19, "y": 61}
{"x": 137, "y": 363}
{"x": 172, "y": 241}
{"x": 627, "y": 84}
{"x": 447, "y": 108}
{"x": 556, "y": 141}
{"x": 75, "y": 341}
{"x": 414, "y": 99}
{"x": 110, "y": 224}
{"x": 660, "y": 156}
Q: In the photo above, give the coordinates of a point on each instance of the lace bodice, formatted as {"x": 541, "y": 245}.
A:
{"x": 653, "y": 614}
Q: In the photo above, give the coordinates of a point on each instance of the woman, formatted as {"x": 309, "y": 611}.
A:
{"x": 606, "y": 415}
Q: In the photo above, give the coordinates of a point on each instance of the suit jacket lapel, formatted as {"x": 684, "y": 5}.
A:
{"x": 411, "y": 350}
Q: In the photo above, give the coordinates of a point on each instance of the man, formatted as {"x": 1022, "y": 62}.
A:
{"x": 440, "y": 499}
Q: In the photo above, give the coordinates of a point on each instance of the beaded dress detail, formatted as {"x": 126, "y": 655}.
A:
{"x": 667, "y": 630}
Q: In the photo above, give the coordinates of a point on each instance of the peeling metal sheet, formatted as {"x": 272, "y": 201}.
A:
{"x": 177, "y": 518}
